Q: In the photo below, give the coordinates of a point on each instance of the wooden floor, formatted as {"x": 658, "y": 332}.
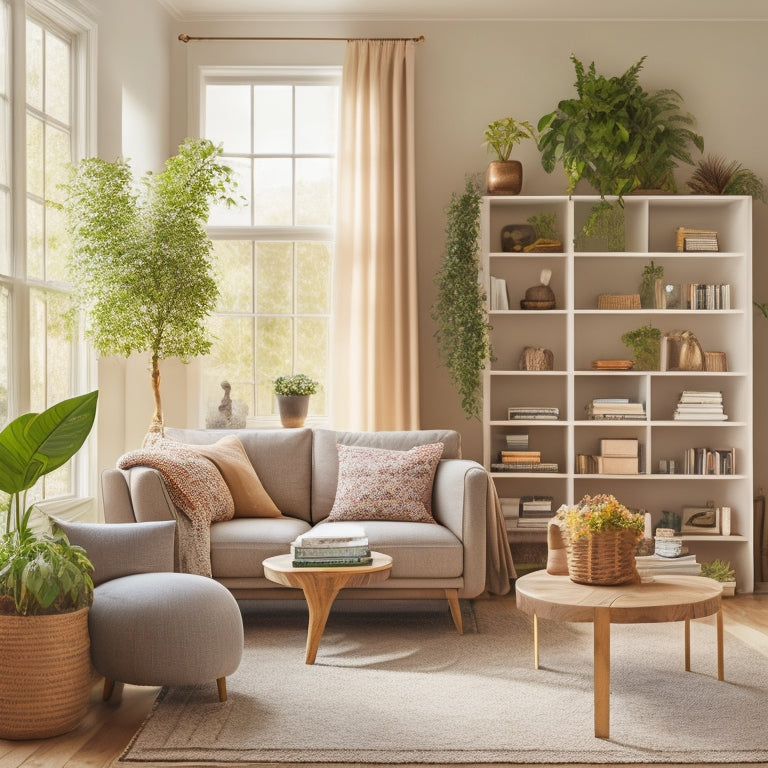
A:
{"x": 108, "y": 727}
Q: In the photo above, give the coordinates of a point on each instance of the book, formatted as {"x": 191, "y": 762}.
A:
{"x": 524, "y": 467}
{"x": 329, "y": 552}
{"x": 333, "y": 535}
{"x": 332, "y": 563}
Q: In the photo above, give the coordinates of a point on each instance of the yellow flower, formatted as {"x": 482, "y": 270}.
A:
{"x": 602, "y": 513}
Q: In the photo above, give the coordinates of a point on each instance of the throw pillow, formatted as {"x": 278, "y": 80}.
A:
{"x": 248, "y": 493}
{"x": 377, "y": 484}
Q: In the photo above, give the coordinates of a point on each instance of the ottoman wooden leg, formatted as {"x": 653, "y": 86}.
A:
{"x": 222, "y": 685}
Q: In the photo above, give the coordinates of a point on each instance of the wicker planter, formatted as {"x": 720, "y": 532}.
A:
{"x": 45, "y": 674}
{"x": 603, "y": 559}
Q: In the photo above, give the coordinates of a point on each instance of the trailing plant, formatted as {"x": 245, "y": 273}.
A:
{"x": 647, "y": 289}
{"x": 604, "y": 229}
{"x": 298, "y": 384}
{"x": 644, "y": 343}
{"x": 616, "y": 135}
{"x": 463, "y": 330}
{"x": 544, "y": 225}
{"x": 41, "y": 573}
{"x": 502, "y": 135}
{"x": 719, "y": 570}
{"x": 140, "y": 259}
{"x": 715, "y": 176}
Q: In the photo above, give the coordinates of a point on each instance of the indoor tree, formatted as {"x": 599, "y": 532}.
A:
{"x": 140, "y": 256}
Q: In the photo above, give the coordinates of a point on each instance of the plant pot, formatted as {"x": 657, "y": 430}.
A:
{"x": 505, "y": 177}
{"x": 293, "y": 409}
{"x": 729, "y": 588}
{"x": 45, "y": 674}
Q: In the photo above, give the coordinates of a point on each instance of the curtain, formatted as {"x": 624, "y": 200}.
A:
{"x": 375, "y": 325}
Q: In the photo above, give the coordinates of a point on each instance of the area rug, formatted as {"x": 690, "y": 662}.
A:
{"x": 404, "y": 687}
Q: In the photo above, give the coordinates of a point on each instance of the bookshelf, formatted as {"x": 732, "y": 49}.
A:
{"x": 578, "y": 334}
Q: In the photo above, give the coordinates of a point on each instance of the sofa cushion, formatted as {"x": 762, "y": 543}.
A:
{"x": 282, "y": 459}
{"x": 325, "y": 458}
{"x": 377, "y": 484}
{"x": 248, "y": 494}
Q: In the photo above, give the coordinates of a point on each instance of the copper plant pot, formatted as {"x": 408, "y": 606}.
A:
{"x": 505, "y": 177}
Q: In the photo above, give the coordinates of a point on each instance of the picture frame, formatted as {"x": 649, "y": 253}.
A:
{"x": 701, "y": 521}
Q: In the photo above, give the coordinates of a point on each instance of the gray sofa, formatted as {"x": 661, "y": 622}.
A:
{"x": 299, "y": 470}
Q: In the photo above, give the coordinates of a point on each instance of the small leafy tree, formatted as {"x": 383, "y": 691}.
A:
{"x": 463, "y": 329}
{"x": 140, "y": 258}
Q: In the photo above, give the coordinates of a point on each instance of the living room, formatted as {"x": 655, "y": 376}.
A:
{"x": 477, "y": 63}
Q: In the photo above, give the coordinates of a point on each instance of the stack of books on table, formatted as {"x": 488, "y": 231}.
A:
{"x": 700, "y": 406}
{"x": 649, "y": 566}
{"x": 522, "y": 412}
{"x": 331, "y": 545}
{"x": 615, "y": 408}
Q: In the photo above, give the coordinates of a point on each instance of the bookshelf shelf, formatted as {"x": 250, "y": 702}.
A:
{"x": 578, "y": 334}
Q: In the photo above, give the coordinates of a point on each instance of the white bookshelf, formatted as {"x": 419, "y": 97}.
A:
{"x": 578, "y": 333}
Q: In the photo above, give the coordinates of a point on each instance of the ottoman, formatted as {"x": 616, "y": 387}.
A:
{"x": 165, "y": 629}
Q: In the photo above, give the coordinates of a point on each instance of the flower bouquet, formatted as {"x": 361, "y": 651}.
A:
{"x": 601, "y": 536}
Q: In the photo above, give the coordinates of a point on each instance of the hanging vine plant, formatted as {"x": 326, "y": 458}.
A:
{"x": 462, "y": 335}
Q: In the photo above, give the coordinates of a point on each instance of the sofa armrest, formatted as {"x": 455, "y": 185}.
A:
{"x": 460, "y": 503}
{"x": 123, "y": 549}
{"x": 141, "y": 497}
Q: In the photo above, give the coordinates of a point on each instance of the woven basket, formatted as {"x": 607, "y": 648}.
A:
{"x": 618, "y": 301}
{"x": 45, "y": 674}
{"x": 604, "y": 558}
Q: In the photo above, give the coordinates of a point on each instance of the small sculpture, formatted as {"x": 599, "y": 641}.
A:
{"x": 540, "y": 296}
{"x": 230, "y": 414}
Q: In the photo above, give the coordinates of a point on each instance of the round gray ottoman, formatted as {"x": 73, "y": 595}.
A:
{"x": 165, "y": 629}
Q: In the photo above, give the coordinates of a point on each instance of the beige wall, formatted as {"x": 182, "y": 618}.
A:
{"x": 469, "y": 73}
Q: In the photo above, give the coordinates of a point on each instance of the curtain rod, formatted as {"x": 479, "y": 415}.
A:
{"x": 188, "y": 38}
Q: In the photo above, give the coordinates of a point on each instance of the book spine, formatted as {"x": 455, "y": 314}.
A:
{"x": 340, "y": 563}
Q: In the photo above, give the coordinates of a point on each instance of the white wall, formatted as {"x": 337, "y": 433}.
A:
{"x": 469, "y": 73}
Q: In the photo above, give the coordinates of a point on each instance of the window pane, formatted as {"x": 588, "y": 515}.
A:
{"x": 272, "y": 118}
{"x": 228, "y": 117}
{"x": 34, "y": 65}
{"x": 274, "y": 352}
{"x": 239, "y": 215}
{"x": 231, "y": 360}
{"x": 35, "y": 249}
{"x": 274, "y": 278}
{"x": 312, "y": 337}
{"x": 316, "y": 119}
{"x": 314, "y": 192}
{"x": 58, "y": 157}
{"x": 233, "y": 261}
{"x": 313, "y": 279}
{"x": 57, "y": 83}
{"x": 272, "y": 186}
{"x": 35, "y": 158}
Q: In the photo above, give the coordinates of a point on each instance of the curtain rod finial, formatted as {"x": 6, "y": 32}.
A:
{"x": 184, "y": 38}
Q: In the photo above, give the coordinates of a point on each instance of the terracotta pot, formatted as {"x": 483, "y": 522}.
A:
{"x": 293, "y": 409}
{"x": 505, "y": 177}
{"x": 45, "y": 674}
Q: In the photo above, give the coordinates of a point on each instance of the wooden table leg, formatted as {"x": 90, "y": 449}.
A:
{"x": 687, "y": 644}
{"x": 720, "y": 661}
{"x": 602, "y": 671}
{"x": 535, "y": 641}
{"x": 320, "y": 594}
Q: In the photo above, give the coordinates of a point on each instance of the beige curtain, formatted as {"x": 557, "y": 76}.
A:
{"x": 375, "y": 333}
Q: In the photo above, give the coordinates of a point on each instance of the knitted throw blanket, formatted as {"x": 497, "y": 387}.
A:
{"x": 198, "y": 491}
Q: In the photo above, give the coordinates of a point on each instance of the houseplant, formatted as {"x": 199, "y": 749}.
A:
{"x": 45, "y": 583}
{"x": 140, "y": 259}
{"x": 649, "y": 299}
{"x": 601, "y": 535}
{"x": 505, "y": 176}
{"x": 645, "y": 345}
{"x": 722, "y": 571}
{"x": 463, "y": 339}
{"x": 713, "y": 175}
{"x": 293, "y": 394}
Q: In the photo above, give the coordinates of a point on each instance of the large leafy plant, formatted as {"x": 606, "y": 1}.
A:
{"x": 140, "y": 257}
{"x": 41, "y": 573}
{"x": 463, "y": 330}
{"x": 616, "y": 135}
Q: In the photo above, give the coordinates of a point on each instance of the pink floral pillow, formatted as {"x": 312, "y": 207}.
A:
{"x": 377, "y": 484}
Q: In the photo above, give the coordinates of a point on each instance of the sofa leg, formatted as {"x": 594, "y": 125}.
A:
{"x": 453, "y": 601}
{"x": 221, "y": 682}
{"x": 109, "y": 687}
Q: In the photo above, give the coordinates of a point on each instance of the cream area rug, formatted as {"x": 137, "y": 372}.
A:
{"x": 401, "y": 686}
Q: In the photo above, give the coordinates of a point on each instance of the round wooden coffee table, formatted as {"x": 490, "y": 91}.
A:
{"x": 666, "y": 598}
{"x": 321, "y": 585}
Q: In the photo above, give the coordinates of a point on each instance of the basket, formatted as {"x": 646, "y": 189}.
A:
{"x": 618, "y": 301}
{"x": 603, "y": 559}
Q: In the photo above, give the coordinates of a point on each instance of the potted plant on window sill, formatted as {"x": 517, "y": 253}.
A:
{"x": 293, "y": 393}
{"x": 45, "y": 583}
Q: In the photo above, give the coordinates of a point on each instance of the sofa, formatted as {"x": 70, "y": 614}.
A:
{"x": 458, "y": 554}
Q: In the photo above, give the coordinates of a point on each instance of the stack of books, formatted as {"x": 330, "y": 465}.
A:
{"x": 649, "y": 566}
{"x": 332, "y": 545}
{"x": 700, "y": 406}
{"x": 709, "y": 296}
{"x": 517, "y": 442}
{"x": 522, "y": 412}
{"x": 535, "y": 511}
{"x": 696, "y": 239}
{"x": 706, "y": 461}
{"x": 615, "y": 408}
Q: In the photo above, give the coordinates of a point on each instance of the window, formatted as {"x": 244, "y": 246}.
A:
{"x": 42, "y": 132}
{"x": 274, "y": 253}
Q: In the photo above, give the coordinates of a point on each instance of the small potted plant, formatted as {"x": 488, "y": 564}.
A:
{"x": 45, "y": 583}
{"x": 645, "y": 343}
{"x": 505, "y": 176}
{"x": 293, "y": 394}
{"x": 721, "y": 570}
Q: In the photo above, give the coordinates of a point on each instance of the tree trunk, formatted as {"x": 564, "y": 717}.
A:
{"x": 157, "y": 418}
